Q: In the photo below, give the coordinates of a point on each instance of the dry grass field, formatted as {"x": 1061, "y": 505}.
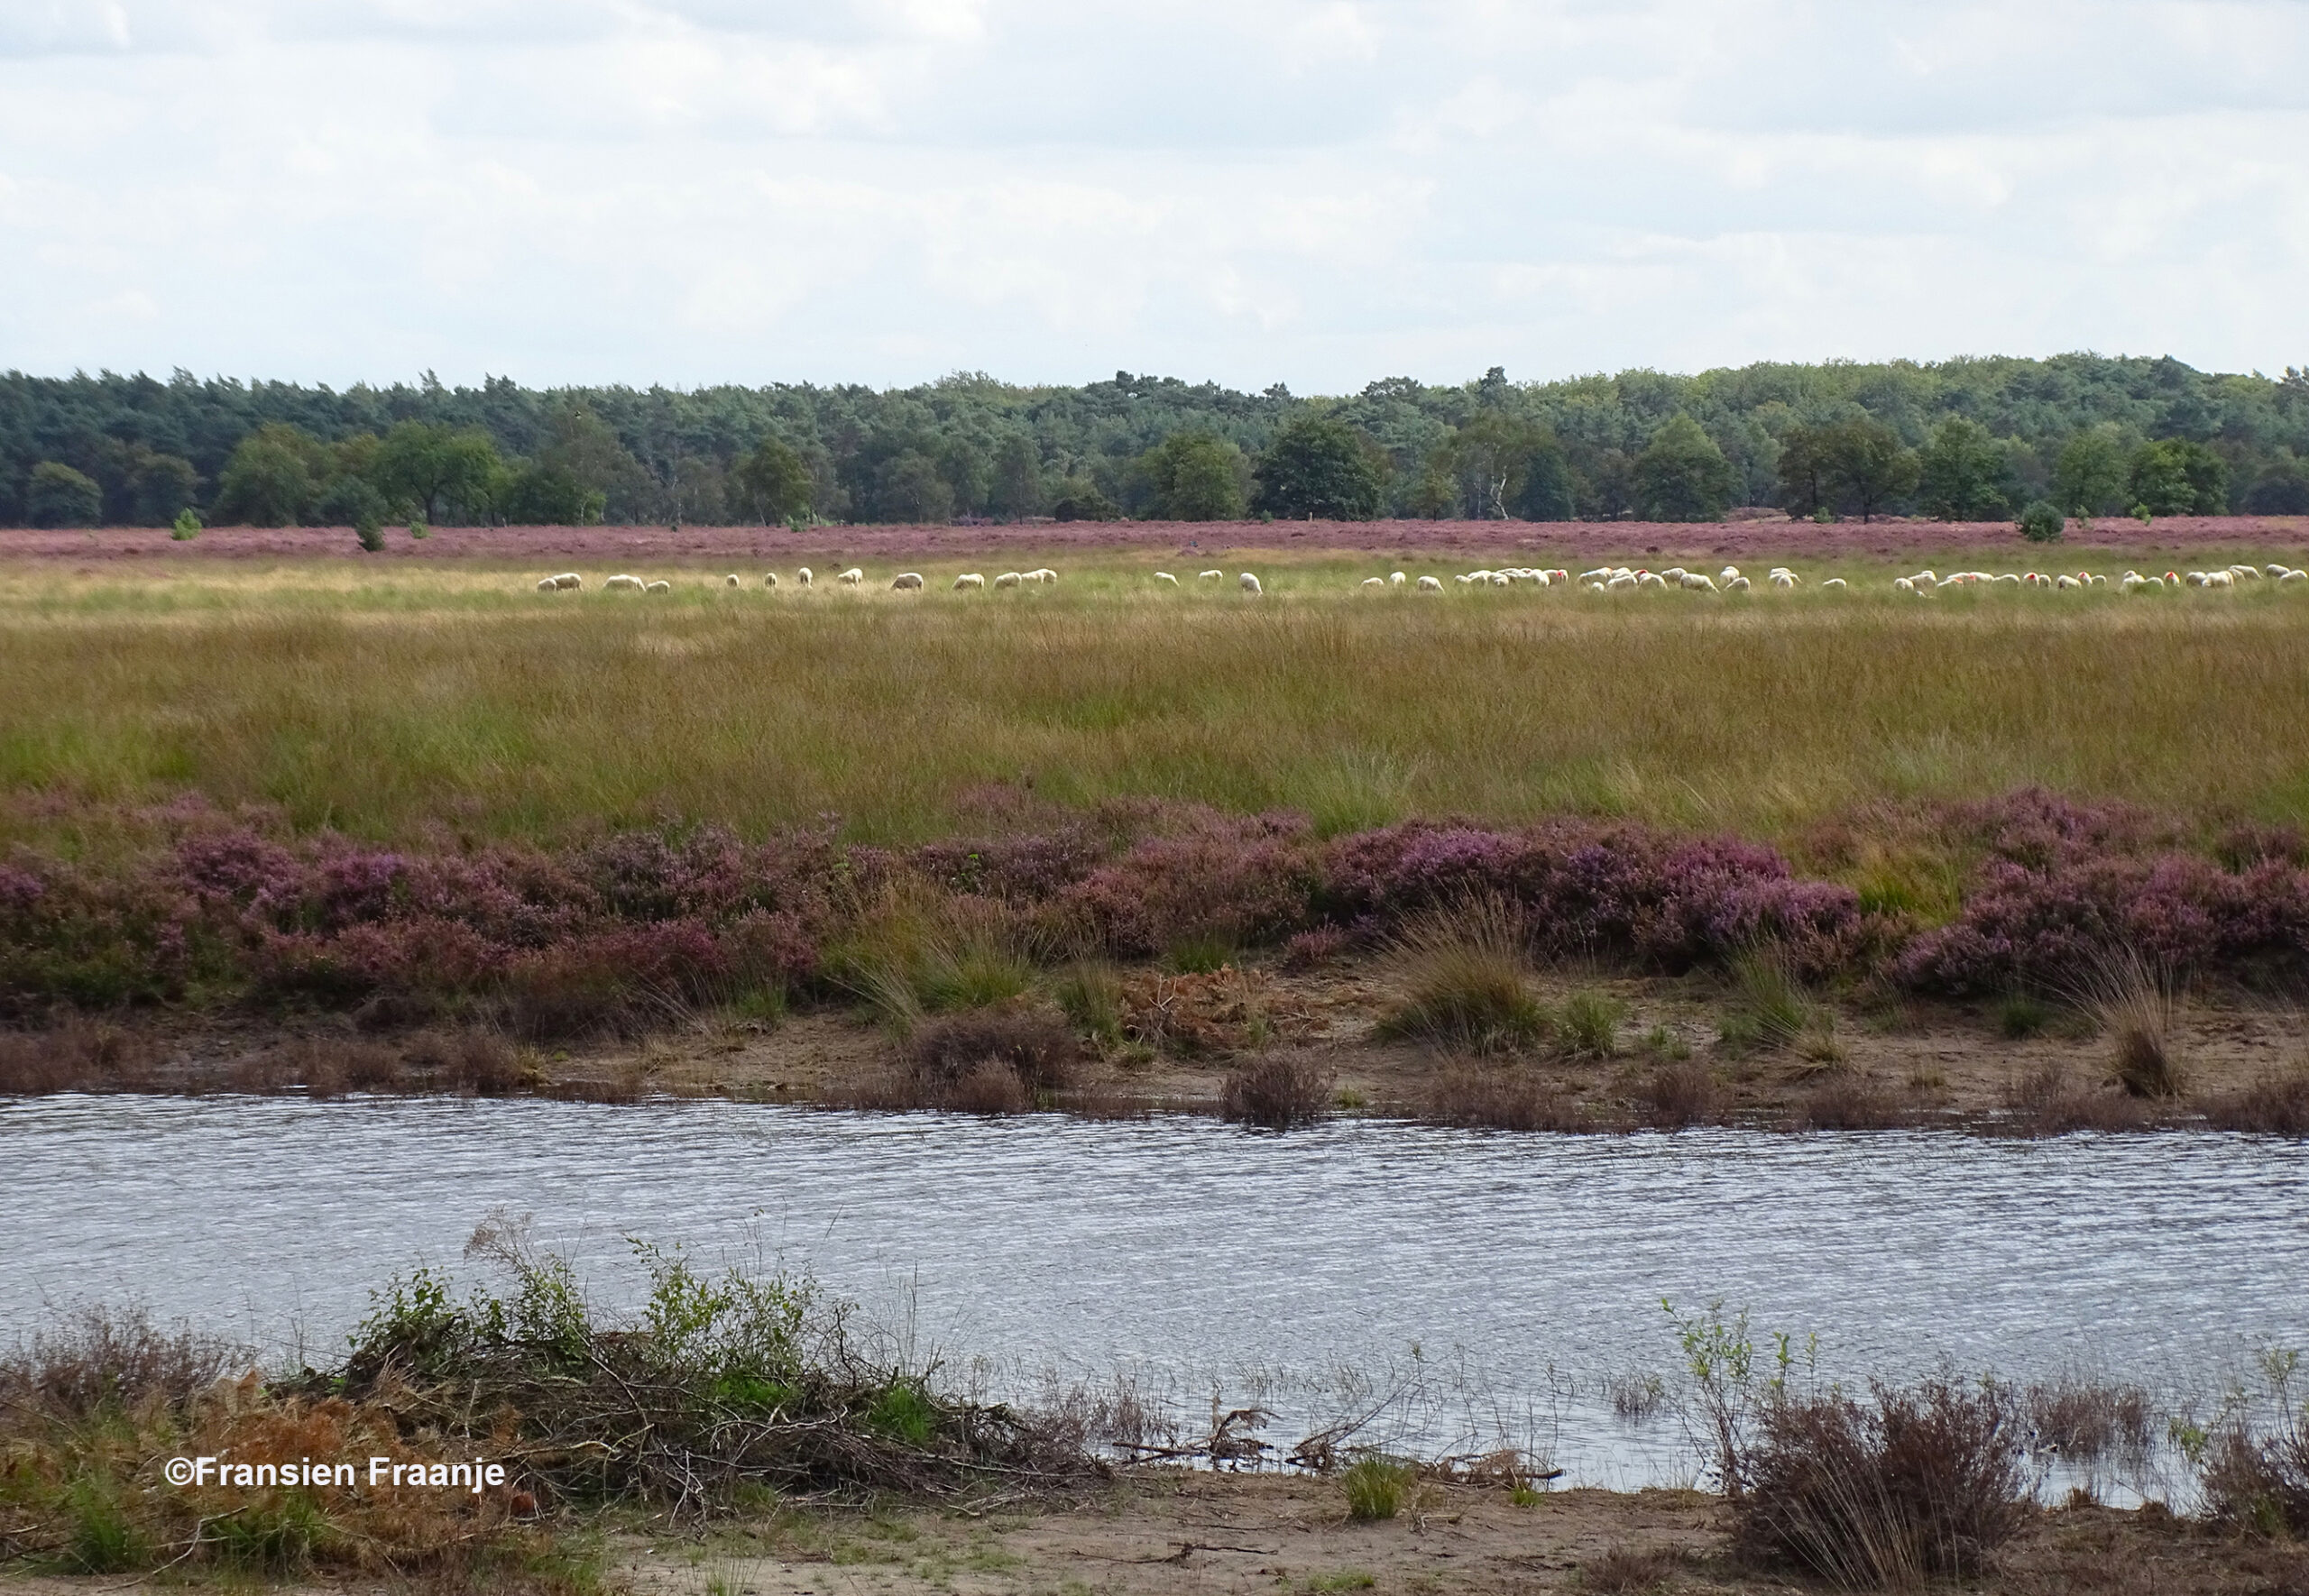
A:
{"x": 394, "y": 702}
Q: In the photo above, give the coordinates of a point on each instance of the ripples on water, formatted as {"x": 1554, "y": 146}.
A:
{"x": 1522, "y": 1268}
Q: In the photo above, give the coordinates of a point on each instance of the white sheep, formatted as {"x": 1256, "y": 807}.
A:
{"x": 1621, "y": 581}
{"x": 568, "y": 581}
{"x": 1166, "y": 576}
{"x": 622, "y": 581}
{"x": 1378, "y": 581}
{"x": 1248, "y": 583}
{"x": 731, "y": 581}
{"x": 1904, "y": 585}
{"x": 906, "y": 582}
{"x": 1729, "y": 574}
{"x": 1837, "y": 583}
{"x": 1738, "y": 584}
{"x": 1650, "y": 579}
{"x": 1009, "y": 579}
{"x": 769, "y": 579}
{"x": 1699, "y": 582}
{"x": 2245, "y": 573}
{"x": 2007, "y": 580}
{"x": 2092, "y": 580}
{"x": 2219, "y": 579}
{"x": 803, "y": 576}
{"x": 657, "y": 587}
{"x": 1208, "y": 576}
{"x": 2062, "y": 584}
{"x": 1782, "y": 580}
{"x": 1600, "y": 574}
{"x": 545, "y": 584}
{"x": 2278, "y": 571}
{"x": 1397, "y": 579}
{"x": 969, "y": 579}
{"x": 1428, "y": 584}
{"x": 852, "y": 577}
{"x": 2293, "y": 576}
{"x": 1501, "y": 579}
{"x": 1043, "y": 574}
{"x": 1674, "y": 574}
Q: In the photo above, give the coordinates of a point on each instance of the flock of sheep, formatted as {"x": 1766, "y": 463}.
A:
{"x": 1604, "y": 578}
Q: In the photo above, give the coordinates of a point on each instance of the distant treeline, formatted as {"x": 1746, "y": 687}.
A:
{"x": 1967, "y": 440}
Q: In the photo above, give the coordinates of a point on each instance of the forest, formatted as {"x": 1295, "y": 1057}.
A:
{"x": 1969, "y": 439}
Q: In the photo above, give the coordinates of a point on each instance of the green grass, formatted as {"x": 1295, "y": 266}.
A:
{"x": 1462, "y": 970}
{"x": 427, "y": 700}
{"x": 1377, "y": 1488}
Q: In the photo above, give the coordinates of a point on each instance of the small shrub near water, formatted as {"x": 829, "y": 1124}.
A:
{"x": 1674, "y": 1097}
{"x": 2275, "y": 1105}
{"x": 1884, "y": 1493}
{"x": 1090, "y": 995}
{"x": 2133, "y": 1001}
{"x": 1493, "y": 1098}
{"x": 1276, "y": 1092}
{"x": 1377, "y": 1488}
{"x": 2020, "y": 1015}
{"x": 1769, "y": 1009}
{"x": 1588, "y": 1024}
{"x": 1622, "y": 1571}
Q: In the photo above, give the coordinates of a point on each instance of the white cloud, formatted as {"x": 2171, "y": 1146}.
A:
{"x": 1320, "y": 191}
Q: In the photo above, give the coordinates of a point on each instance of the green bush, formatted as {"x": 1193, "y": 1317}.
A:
{"x": 1589, "y": 1024}
{"x": 2042, "y": 522}
{"x": 370, "y": 530}
{"x": 187, "y": 526}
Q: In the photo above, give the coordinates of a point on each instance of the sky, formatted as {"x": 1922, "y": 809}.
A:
{"x": 1314, "y": 192}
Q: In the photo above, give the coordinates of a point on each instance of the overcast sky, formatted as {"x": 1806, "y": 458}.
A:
{"x": 1318, "y": 192}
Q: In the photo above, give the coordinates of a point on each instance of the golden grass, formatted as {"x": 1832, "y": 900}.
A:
{"x": 387, "y": 705}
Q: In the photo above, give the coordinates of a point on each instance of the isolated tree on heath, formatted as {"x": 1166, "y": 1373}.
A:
{"x": 773, "y": 483}
{"x": 59, "y": 496}
{"x": 2089, "y": 476}
{"x": 1964, "y": 473}
{"x": 1682, "y": 475}
{"x": 432, "y": 468}
{"x": 2176, "y": 477}
{"x": 1195, "y": 476}
{"x": 1319, "y": 465}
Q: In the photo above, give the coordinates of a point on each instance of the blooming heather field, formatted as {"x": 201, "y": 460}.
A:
{"x": 1771, "y": 536}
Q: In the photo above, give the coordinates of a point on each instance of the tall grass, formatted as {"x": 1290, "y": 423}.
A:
{"x": 2134, "y": 1002}
{"x": 450, "y": 699}
{"x": 1463, "y": 969}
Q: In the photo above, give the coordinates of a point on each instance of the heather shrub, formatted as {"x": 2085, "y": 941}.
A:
{"x": 1673, "y": 1097}
{"x": 2045, "y": 1102}
{"x": 1848, "y": 1102}
{"x": 1240, "y": 884}
{"x": 1497, "y": 1099}
{"x": 1882, "y": 1494}
{"x": 1037, "y": 1048}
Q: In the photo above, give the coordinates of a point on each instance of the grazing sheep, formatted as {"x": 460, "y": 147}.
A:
{"x": 1837, "y": 583}
{"x": 731, "y": 581}
{"x": 1904, "y": 585}
{"x": 1729, "y": 574}
{"x": 1621, "y": 581}
{"x": 2291, "y": 576}
{"x": 545, "y": 584}
{"x": 1782, "y": 580}
{"x": 2245, "y": 573}
{"x": 1248, "y": 583}
{"x": 1699, "y": 582}
{"x": 769, "y": 579}
{"x": 852, "y": 577}
{"x": 1397, "y": 579}
{"x": 622, "y": 581}
{"x": 969, "y": 579}
{"x": 1044, "y": 574}
{"x": 2094, "y": 581}
{"x": 657, "y": 587}
{"x": 2219, "y": 579}
{"x": 1650, "y": 579}
{"x": 1208, "y": 576}
{"x": 568, "y": 580}
{"x": 2064, "y": 583}
{"x": 1600, "y": 574}
{"x": 1501, "y": 579}
{"x": 1428, "y": 584}
{"x": 2278, "y": 571}
{"x": 1738, "y": 584}
{"x": 1166, "y": 576}
{"x": 2007, "y": 579}
{"x": 906, "y": 582}
{"x": 1377, "y": 581}
{"x": 1674, "y": 574}
{"x": 1009, "y": 579}
{"x": 803, "y": 576}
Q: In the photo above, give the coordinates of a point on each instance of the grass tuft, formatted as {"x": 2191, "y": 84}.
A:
{"x": 1275, "y": 1093}
{"x": 1377, "y": 1488}
{"x": 1463, "y": 970}
{"x": 1588, "y": 1024}
{"x": 2133, "y": 1001}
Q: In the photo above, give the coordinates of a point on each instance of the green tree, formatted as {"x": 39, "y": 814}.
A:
{"x": 772, "y": 484}
{"x": 2089, "y": 478}
{"x": 272, "y": 478}
{"x": 1014, "y": 489}
{"x": 2176, "y": 477}
{"x": 2282, "y": 489}
{"x": 348, "y": 501}
{"x": 59, "y": 496}
{"x": 1319, "y": 465}
{"x": 1548, "y": 491}
{"x": 1807, "y": 479}
{"x": 164, "y": 484}
{"x": 911, "y": 488}
{"x": 1195, "y": 476}
{"x": 1490, "y": 457}
{"x": 1078, "y": 499}
{"x": 550, "y": 496}
{"x": 1681, "y": 476}
{"x": 434, "y": 470}
{"x": 1869, "y": 466}
{"x": 1964, "y": 473}
{"x": 578, "y": 444}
